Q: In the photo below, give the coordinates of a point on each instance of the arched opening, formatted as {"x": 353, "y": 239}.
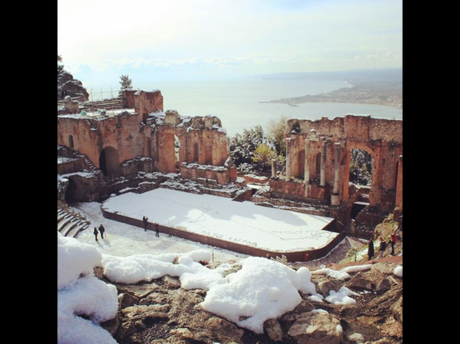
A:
{"x": 70, "y": 192}
{"x": 360, "y": 167}
{"x": 108, "y": 162}
{"x": 70, "y": 141}
{"x": 176, "y": 150}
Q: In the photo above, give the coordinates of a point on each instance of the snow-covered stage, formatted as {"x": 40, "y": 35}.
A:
{"x": 237, "y": 226}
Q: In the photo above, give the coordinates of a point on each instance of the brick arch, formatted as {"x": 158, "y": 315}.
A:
{"x": 109, "y": 161}
{"x": 346, "y": 176}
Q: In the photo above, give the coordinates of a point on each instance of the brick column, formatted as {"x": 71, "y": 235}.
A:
{"x": 323, "y": 164}
{"x": 335, "y": 191}
{"x": 288, "y": 159}
{"x": 273, "y": 168}
{"x": 307, "y": 165}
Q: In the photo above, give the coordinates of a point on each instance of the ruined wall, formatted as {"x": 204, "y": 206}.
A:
{"x": 92, "y": 136}
{"x": 114, "y": 140}
{"x": 380, "y": 137}
{"x": 202, "y": 142}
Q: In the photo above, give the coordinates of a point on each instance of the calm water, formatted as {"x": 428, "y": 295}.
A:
{"x": 237, "y": 102}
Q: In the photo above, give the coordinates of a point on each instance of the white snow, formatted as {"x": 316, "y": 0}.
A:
{"x": 80, "y": 293}
{"x": 340, "y": 275}
{"x": 260, "y": 290}
{"x": 356, "y": 268}
{"x": 263, "y": 289}
{"x": 398, "y": 271}
{"x": 341, "y": 297}
{"x": 240, "y": 222}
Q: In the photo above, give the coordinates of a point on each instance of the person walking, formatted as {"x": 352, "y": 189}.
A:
{"x": 383, "y": 246}
{"x": 146, "y": 222}
{"x": 157, "y": 229}
{"x": 102, "y": 230}
{"x": 95, "y": 233}
{"x": 370, "y": 249}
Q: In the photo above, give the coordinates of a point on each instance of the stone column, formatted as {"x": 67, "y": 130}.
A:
{"x": 288, "y": 159}
{"x": 307, "y": 165}
{"x": 273, "y": 168}
{"x": 323, "y": 164}
{"x": 335, "y": 190}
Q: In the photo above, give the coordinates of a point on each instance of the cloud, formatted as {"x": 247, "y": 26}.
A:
{"x": 238, "y": 35}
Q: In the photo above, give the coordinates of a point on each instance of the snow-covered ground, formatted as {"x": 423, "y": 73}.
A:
{"x": 124, "y": 240}
{"x": 240, "y": 222}
{"x": 260, "y": 290}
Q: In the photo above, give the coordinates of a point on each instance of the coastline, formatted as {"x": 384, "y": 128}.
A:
{"x": 359, "y": 93}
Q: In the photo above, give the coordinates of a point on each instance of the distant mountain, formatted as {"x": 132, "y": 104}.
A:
{"x": 393, "y": 75}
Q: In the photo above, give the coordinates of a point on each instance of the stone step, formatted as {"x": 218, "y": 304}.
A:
{"x": 65, "y": 231}
{"x": 80, "y": 230}
{"x": 63, "y": 223}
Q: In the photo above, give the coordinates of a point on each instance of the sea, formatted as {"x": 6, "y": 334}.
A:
{"x": 240, "y": 102}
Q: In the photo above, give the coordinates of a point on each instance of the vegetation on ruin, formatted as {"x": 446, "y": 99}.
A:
{"x": 253, "y": 150}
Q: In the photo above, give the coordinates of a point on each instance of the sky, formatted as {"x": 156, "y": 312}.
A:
{"x": 206, "y": 39}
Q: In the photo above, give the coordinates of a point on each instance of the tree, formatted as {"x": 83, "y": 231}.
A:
{"x": 126, "y": 83}
{"x": 276, "y": 129}
{"x": 263, "y": 156}
{"x": 242, "y": 147}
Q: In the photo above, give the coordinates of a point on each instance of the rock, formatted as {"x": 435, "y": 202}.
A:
{"x": 356, "y": 338}
{"x": 326, "y": 286}
{"x": 171, "y": 282}
{"x": 224, "y": 329}
{"x": 111, "y": 325}
{"x": 303, "y": 307}
{"x": 384, "y": 286}
{"x": 127, "y": 300}
{"x": 397, "y": 311}
{"x": 316, "y": 328}
{"x": 273, "y": 329}
{"x": 359, "y": 282}
{"x": 140, "y": 291}
{"x": 184, "y": 333}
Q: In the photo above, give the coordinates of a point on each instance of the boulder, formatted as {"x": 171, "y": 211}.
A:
{"x": 171, "y": 282}
{"x": 397, "y": 311}
{"x": 383, "y": 286}
{"x": 138, "y": 290}
{"x": 325, "y": 286}
{"x": 273, "y": 329}
{"x": 225, "y": 329}
{"x": 127, "y": 300}
{"x": 316, "y": 328}
{"x": 359, "y": 282}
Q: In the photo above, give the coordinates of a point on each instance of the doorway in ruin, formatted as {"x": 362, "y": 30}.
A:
{"x": 361, "y": 167}
{"x": 176, "y": 151}
{"x": 360, "y": 176}
{"x": 108, "y": 162}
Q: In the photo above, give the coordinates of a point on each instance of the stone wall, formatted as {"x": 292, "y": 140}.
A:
{"x": 146, "y": 140}
{"x": 319, "y": 156}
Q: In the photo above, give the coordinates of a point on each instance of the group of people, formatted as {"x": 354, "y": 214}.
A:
{"x": 101, "y": 230}
{"x": 383, "y": 245}
{"x": 156, "y": 226}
